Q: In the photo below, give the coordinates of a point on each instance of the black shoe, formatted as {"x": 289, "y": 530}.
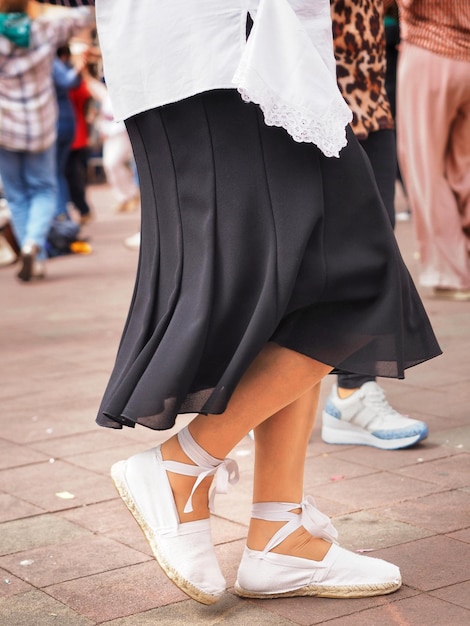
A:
{"x": 28, "y": 257}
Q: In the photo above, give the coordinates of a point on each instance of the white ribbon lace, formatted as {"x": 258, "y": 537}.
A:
{"x": 314, "y": 521}
{"x": 225, "y": 471}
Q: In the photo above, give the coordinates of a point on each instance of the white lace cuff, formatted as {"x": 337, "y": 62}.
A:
{"x": 282, "y": 72}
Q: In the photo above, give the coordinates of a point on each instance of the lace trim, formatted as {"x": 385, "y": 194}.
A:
{"x": 325, "y": 129}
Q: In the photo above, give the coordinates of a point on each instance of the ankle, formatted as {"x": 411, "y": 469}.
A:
{"x": 299, "y": 543}
{"x": 172, "y": 451}
{"x": 182, "y": 485}
{"x": 260, "y": 532}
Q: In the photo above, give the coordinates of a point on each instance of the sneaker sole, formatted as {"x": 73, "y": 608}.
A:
{"x": 117, "y": 475}
{"x": 336, "y": 431}
{"x": 323, "y": 591}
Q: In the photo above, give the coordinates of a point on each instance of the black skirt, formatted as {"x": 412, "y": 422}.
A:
{"x": 249, "y": 237}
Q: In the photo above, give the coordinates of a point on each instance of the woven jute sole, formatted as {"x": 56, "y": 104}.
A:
{"x": 323, "y": 591}
{"x": 117, "y": 475}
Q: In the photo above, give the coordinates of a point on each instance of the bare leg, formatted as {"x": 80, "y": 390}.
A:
{"x": 281, "y": 446}
{"x": 277, "y": 397}
{"x": 277, "y": 387}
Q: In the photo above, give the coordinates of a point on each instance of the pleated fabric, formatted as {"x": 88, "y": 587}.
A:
{"x": 249, "y": 237}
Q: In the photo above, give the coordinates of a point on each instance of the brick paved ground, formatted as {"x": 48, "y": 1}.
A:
{"x": 71, "y": 555}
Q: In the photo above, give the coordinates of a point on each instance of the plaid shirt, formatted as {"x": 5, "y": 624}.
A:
{"x": 28, "y": 108}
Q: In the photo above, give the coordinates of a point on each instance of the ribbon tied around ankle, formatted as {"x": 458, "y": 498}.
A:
{"x": 317, "y": 523}
{"x": 226, "y": 473}
{"x": 314, "y": 521}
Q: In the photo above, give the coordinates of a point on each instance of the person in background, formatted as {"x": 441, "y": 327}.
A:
{"x": 433, "y": 123}
{"x": 77, "y": 162}
{"x": 357, "y": 410}
{"x": 28, "y": 122}
{"x": 392, "y": 39}
{"x": 118, "y": 158}
{"x": 66, "y": 77}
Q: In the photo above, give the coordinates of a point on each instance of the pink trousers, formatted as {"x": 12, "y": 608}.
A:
{"x": 433, "y": 132}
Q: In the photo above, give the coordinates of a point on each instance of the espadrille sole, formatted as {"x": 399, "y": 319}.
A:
{"x": 323, "y": 591}
{"x": 117, "y": 475}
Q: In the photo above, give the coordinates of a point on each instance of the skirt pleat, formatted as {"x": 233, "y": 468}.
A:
{"x": 249, "y": 237}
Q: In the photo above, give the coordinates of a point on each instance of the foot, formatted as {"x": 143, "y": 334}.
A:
{"x": 85, "y": 218}
{"x": 28, "y": 259}
{"x": 285, "y": 567}
{"x": 366, "y": 418}
{"x": 172, "y": 514}
{"x": 299, "y": 543}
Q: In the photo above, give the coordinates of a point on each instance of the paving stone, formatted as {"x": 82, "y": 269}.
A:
{"x": 461, "y": 535}
{"x": 377, "y": 489}
{"x": 39, "y": 423}
{"x": 325, "y": 469}
{"x": 101, "y": 463}
{"x": 11, "y": 585}
{"x": 366, "y": 531}
{"x": 12, "y": 455}
{"x": 431, "y": 563}
{"x": 97, "y": 440}
{"x": 119, "y": 592}
{"x": 51, "y": 479}
{"x": 38, "y": 609}
{"x": 453, "y": 507}
{"x": 455, "y": 594}
{"x": 12, "y": 508}
{"x": 455, "y": 438}
{"x": 311, "y": 611}
{"x": 229, "y": 610}
{"x": 31, "y": 533}
{"x": 229, "y": 556}
{"x": 453, "y": 471}
{"x": 394, "y": 459}
{"x": 68, "y": 560}
{"x": 420, "y": 610}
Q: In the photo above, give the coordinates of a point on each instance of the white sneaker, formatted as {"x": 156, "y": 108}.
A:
{"x": 366, "y": 418}
{"x": 132, "y": 242}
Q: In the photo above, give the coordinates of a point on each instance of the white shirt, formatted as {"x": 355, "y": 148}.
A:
{"x": 160, "y": 51}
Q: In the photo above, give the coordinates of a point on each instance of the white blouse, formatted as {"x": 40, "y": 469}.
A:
{"x": 160, "y": 51}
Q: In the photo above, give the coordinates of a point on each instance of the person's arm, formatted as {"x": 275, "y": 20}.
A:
{"x": 65, "y": 77}
{"x": 63, "y": 23}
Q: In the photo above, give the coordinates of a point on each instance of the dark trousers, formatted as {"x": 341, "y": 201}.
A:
{"x": 76, "y": 173}
{"x": 380, "y": 147}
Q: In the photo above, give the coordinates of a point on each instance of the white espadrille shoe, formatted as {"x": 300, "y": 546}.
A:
{"x": 184, "y": 551}
{"x": 341, "y": 574}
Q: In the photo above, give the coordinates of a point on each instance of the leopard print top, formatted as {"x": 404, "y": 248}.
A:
{"x": 359, "y": 40}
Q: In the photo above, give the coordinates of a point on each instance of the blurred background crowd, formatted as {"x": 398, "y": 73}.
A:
{"x": 62, "y": 62}
{"x": 403, "y": 67}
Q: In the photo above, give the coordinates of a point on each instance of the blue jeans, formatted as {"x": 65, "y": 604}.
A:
{"x": 30, "y": 186}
